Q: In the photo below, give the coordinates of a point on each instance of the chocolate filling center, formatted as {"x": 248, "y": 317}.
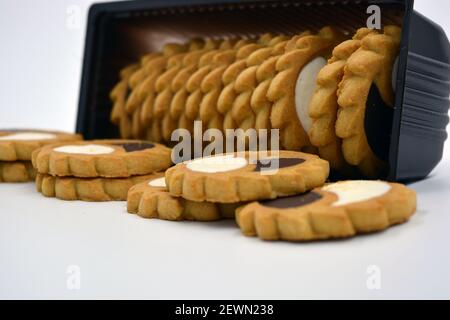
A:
{"x": 293, "y": 201}
{"x": 378, "y": 123}
{"x": 277, "y": 163}
{"x": 135, "y": 146}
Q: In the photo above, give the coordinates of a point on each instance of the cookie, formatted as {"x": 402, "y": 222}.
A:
{"x": 102, "y": 158}
{"x": 146, "y": 93}
{"x": 227, "y": 95}
{"x": 135, "y": 83}
{"x": 246, "y": 176}
{"x": 286, "y": 88}
{"x": 336, "y": 210}
{"x": 118, "y": 96}
{"x": 164, "y": 92}
{"x": 150, "y": 199}
{"x": 265, "y": 72}
{"x": 19, "y": 144}
{"x": 322, "y": 103}
{"x": 246, "y": 83}
{"x": 193, "y": 85}
{"x": 367, "y": 80}
{"x": 191, "y": 63}
{"x": 86, "y": 189}
{"x": 213, "y": 85}
{"x": 16, "y": 171}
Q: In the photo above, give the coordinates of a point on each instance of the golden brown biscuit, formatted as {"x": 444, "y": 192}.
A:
{"x": 193, "y": 85}
{"x": 86, "y": 189}
{"x": 282, "y": 90}
{"x": 136, "y": 79}
{"x": 191, "y": 63}
{"x": 261, "y": 106}
{"x": 118, "y": 96}
{"x": 213, "y": 85}
{"x": 19, "y": 144}
{"x": 337, "y": 210}
{"x": 164, "y": 92}
{"x": 16, "y": 171}
{"x": 147, "y": 91}
{"x": 150, "y": 199}
{"x": 246, "y": 83}
{"x": 228, "y": 94}
{"x": 323, "y": 106}
{"x": 251, "y": 175}
{"x": 102, "y": 158}
{"x": 371, "y": 64}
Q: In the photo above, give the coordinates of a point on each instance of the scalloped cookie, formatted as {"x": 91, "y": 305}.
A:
{"x": 150, "y": 199}
{"x": 246, "y": 176}
{"x": 337, "y": 210}
{"x": 20, "y": 144}
{"x": 102, "y": 158}
{"x": 86, "y": 189}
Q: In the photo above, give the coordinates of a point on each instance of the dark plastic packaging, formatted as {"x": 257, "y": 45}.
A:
{"x": 119, "y": 32}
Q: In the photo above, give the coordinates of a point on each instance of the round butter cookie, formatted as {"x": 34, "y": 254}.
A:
{"x": 369, "y": 81}
{"x": 16, "y": 171}
{"x": 286, "y": 88}
{"x": 246, "y": 176}
{"x": 321, "y": 105}
{"x": 19, "y": 144}
{"x": 102, "y": 158}
{"x": 150, "y": 199}
{"x": 86, "y": 189}
{"x": 337, "y": 210}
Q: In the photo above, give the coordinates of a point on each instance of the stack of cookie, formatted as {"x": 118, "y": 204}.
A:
{"x": 276, "y": 196}
{"x": 98, "y": 170}
{"x": 313, "y": 87}
{"x": 211, "y": 188}
{"x": 16, "y": 147}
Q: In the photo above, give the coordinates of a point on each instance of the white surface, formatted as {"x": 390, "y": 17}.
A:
{"x": 124, "y": 256}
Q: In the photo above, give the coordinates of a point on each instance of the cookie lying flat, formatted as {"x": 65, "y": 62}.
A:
{"x": 16, "y": 171}
{"x": 150, "y": 199}
{"x": 86, "y": 189}
{"x": 368, "y": 80}
{"x": 336, "y": 210}
{"x": 18, "y": 145}
{"x": 230, "y": 178}
{"x": 102, "y": 158}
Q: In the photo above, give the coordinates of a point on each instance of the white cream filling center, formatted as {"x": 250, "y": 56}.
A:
{"x": 304, "y": 89}
{"x": 158, "y": 183}
{"x": 357, "y": 190}
{"x": 91, "y": 149}
{"x": 215, "y": 164}
{"x": 28, "y": 136}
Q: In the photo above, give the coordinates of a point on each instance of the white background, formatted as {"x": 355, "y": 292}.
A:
{"x": 122, "y": 256}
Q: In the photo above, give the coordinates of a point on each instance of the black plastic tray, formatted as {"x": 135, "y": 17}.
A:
{"x": 116, "y": 35}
